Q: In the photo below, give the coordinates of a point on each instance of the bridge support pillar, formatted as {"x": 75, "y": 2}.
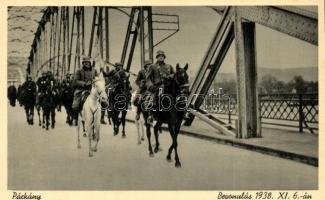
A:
{"x": 248, "y": 114}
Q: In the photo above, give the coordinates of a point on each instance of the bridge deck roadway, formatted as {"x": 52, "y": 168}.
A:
{"x": 50, "y": 160}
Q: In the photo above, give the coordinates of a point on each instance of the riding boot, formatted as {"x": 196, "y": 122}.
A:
{"x": 150, "y": 119}
{"x": 32, "y": 119}
{"x": 75, "y": 118}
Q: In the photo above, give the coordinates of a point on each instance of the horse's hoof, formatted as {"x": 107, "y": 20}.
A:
{"x": 142, "y": 139}
{"x": 94, "y": 149}
{"x": 91, "y": 154}
{"x": 169, "y": 159}
{"x": 85, "y": 135}
{"x": 139, "y": 142}
{"x": 151, "y": 154}
{"x": 178, "y": 165}
{"x": 123, "y": 136}
{"x": 156, "y": 150}
{"x": 79, "y": 146}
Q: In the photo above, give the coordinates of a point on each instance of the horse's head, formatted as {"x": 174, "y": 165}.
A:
{"x": 181, "y": 78}
{"x": 98, "y": 85}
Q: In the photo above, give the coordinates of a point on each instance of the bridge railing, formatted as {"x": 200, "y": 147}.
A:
{"x": 301, "y": 108}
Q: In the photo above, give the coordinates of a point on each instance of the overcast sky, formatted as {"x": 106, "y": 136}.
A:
{"x": 197, "y": 27}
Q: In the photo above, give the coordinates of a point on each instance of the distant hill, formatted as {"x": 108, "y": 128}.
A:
{"x": 308, "y": 74}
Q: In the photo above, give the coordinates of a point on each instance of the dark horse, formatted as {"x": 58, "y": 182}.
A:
{"x": 48, "y": 103}
{"x": 28, "y": 97}
{"x": 66, "y": 100}
{"x": 119, "y": 100}
{"x": 170, "y": 109}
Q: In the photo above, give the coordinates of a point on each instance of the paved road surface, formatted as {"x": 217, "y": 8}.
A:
{"x": 50, "y": 160}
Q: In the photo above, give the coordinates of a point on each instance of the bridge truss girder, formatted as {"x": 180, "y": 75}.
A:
{"x": 54, "y": 27}
{"x": 238, "y": 23}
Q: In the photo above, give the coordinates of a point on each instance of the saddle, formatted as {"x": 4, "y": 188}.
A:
{"x": 84, "y": 96}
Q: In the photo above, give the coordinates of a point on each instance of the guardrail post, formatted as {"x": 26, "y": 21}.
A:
{"x": 229, "y": 111}
{"x": 301, "y": 114}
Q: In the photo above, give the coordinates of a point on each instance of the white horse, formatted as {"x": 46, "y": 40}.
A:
{"x": 91, "y": 111}
{"x": 139, "y": 122}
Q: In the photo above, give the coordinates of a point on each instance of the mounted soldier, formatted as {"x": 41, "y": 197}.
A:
{"x": 166, "y": 71}
{"x": 82, "y": 84}
{"x": 54, "y": 85}
{"x": 67, "y": 82}
{"x": 67, "y": 97}
{"x": 117, "y": 75}
{"x": 105, "y": 74}
{"x": 160, "y": 74}
{"x": 119, "y": 96}
{"x": 41, "y": 85}
{"x": 144, "y": 84}
{"x": 58, "y": 88}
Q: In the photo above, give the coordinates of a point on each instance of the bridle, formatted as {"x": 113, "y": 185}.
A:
{"x": 182, "y": 86}
{"x": 98, "y": 92}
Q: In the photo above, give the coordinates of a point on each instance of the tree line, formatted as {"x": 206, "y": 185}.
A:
{"x": 269, "y": 84}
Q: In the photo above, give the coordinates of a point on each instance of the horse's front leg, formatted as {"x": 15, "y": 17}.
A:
{"x": 52, "y": 117}
{"x": 89, "y": 130}
{"x": 32, "y": 115}
{"x": 109, "y": 118}
{"x": 39, "y": 116}
{"x": 156, "y": 128}
{"x": 43, "y": 118}
{"x": 47, "y": 119}
{"x": 115, "y": 122}
{"x": 137, "y": 124}
{"x": 177, "y": 161}
{"x": 142, "y": 129}
{"x": 177, "y": 129}
{"x": 170, "y": 150}
{"x": 27, "y": 114}
{"x": 67, "y": 120}
{"x": 78, "y": 135}
{"x": 124, "y": 112}
{"x": 97, "y": 131}
{"x": 149, "y": 139}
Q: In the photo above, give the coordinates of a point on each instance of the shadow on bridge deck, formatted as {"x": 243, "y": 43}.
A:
{"x": 281, "y": 142}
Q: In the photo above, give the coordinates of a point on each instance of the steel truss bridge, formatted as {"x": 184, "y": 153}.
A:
{"x": 52, "y": 49}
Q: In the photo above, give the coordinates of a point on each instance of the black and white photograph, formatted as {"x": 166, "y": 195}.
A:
{"x": 163, "y": 98}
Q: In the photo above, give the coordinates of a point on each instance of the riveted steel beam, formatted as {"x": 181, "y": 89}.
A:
{"x": 215, "y": 44}
{"x": 211, "y": 61}
{"x": 302, "y": 25}
{"x": 246, "y": 70}
{"x": 291, "y": 20}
